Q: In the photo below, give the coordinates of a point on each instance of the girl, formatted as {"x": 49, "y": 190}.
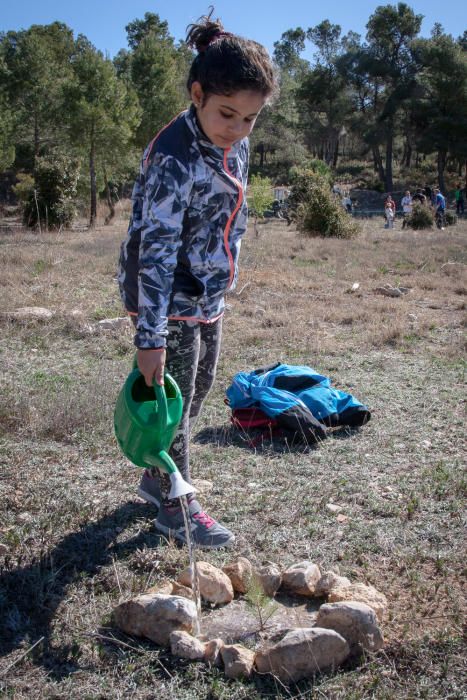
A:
{"x": 389, "y": 211}
{"x": 181, "y": 251}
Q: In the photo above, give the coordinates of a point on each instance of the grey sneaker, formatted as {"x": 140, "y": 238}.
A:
{"x": 150, "y": 487}
{"x": 206, "y": 532}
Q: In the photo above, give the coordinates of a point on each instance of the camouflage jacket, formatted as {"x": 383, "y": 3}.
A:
{"x": 189, "y": 213}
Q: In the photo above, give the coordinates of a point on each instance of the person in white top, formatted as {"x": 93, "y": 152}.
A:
{"x": 406, "y": 203}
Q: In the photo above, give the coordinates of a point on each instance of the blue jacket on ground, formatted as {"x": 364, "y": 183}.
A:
{"x": 298, "y": 396}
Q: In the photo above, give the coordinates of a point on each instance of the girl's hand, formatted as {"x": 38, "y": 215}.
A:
{"x": 151, "y": 364}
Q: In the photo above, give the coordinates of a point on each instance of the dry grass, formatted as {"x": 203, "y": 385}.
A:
{"x": 77, "y": 540}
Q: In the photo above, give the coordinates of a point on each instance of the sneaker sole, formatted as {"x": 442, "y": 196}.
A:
{"x": 176, "y": 535}
{"x": 147, "y": 497}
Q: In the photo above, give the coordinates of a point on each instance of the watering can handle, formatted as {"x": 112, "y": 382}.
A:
{"x": 162, "y": 410}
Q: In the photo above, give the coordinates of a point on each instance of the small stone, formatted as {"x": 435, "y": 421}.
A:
{"x": 212, "y": 652}
{"x": 356, "y": 622}
{"x": 111, "y": 324}
{"x": 341, "y": 518}
{"x": 239, "y": 573}
{"x": 328, "y": 581}
{"x": 302, "y": 653}
{"x": 214, "y": 586}
{"x": 334, "y": 507}
{"x": 155, "y": 616}
{"x": 301, "y": 578}
{"x": 165, "y": 587}
{"x": 185, "y": 646}
{"x": 361, "y": 593}
{"x": 36, "y": 313}
{"x": 183, "y": 591}
{"x": 389, "y": 291}
{"x": 238, "y": 661}
{"x": 203, "y": 486}
{"x": 270, "y": 578}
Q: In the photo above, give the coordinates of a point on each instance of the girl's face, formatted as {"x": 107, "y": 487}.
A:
{"x": 226, "y": 119}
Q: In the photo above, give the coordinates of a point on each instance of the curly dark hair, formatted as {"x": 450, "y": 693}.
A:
{"x": 226, "y": 62}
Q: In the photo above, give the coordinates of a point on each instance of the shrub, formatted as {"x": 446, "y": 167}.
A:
{"x": 24, "y": 187}
{"x": 260, "y": 195}
{"x": 451, "y": 218}
{"x": 314, "y": 209}
{"x": 421, "y": 217}
{"x": 51, "y": 203}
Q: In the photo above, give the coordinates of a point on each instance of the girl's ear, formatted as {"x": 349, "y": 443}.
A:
{"x": 197, "y": 94}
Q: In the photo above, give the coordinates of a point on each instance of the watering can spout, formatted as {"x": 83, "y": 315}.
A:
{"x": 179, "y": 487}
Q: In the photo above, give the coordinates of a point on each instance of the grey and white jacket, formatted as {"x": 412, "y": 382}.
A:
{"x": 189, "y": 213}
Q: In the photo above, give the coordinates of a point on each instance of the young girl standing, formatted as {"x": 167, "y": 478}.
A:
{"x": 181, "y": 251}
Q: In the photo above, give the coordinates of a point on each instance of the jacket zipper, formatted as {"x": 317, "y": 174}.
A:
{"x": 231, "y": 218}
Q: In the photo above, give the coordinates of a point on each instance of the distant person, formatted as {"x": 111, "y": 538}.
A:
{"x": 407, "y": 206}
{"x": 459, "y": 195}
{"x": 419, "y": 197}
{"x": 440, "y": 209}
{"x": 429, "y": 194}
{"x": 347, "y": 203}
{"x": 389, "y": 211}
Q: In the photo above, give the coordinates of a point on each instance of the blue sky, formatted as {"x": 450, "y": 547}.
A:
{"x": 103, "y": 21}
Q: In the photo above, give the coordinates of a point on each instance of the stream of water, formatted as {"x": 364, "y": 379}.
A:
{"x": 193, "y": 566}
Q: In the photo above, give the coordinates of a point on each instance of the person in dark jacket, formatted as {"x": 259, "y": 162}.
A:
{"x": 181, "y": 252}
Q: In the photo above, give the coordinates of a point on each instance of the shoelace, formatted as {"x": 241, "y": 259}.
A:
{"x": 204, "y": 519}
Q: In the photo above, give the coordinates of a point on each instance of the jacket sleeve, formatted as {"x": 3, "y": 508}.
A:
{"x": 166, "y": 196}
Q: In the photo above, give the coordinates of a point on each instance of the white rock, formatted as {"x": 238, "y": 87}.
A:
{"x": 301, "y": 578}
{"x": 239, "y": 573}
{"x": 185, "y": 646}
{"x": 361, "y": 593}
{"x": 302, "y": 653}
{"x": 238, "y": 661}
{"x": 356, "y": 622}
{"x": 155, "y": 616}
{"x": 328, "y": 581}
{"x": 214, "y": 585}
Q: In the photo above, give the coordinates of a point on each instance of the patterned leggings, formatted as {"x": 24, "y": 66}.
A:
{"x": 192, "y": 355}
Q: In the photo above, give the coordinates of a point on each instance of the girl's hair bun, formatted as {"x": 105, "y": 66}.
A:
{"x": 226, "y": 62}
{"x": 206, "y": 30}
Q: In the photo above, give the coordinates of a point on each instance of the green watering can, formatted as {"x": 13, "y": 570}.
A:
{"x": 145, "y": 420}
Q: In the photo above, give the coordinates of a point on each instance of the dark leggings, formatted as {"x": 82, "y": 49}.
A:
{"x": 192, "y": 355}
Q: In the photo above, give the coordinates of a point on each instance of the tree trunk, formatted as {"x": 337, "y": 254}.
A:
{"x": 389, "y": 145}
{"x": 441, "y": 167}
{"x": 378, "y": 163}
{"x": 110, "y": 204}
{"x": 92, "y": 175}
{"x": 36, "y": 138}
{"x": 336, "y": 153}
{"x": 408, "y": 156}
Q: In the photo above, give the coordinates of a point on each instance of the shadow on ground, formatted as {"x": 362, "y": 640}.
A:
{"x": 264, "y": 441}
{"x": 30, "y": 595}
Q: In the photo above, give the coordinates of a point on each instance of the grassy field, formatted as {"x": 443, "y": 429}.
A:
{"x": 76, "y": 539}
